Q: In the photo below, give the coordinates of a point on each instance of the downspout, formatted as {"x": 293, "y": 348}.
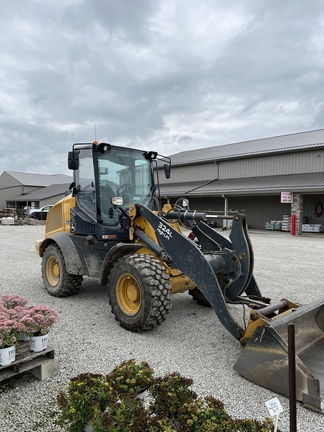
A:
{"x": 225, "y": 212}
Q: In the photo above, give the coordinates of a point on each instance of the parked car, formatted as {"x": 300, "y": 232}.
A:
{"x": 41, "y": 213}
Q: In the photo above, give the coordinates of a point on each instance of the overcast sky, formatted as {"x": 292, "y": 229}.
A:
{"x": 165, "y": 75}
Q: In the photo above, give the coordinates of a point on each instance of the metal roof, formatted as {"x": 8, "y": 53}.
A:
{"x": 44, "y": 193}
{"x": 42, "y": 180}
{"x": 301, "y": 141}
{"x": 306, "y": 183}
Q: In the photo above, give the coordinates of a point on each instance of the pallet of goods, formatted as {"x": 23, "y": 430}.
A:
{"x": 274, "y": 225}
{"x": 286, "y": 223}
{"x": 313, "y": 228}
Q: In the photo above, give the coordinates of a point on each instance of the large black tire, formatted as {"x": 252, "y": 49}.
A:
{"x": 199, "y": 297}
{"x": 139, "y": 292}
{"x": 57, "y": 281}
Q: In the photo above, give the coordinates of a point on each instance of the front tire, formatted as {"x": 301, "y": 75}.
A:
{"x": 57, "y": 281}
{"x": 139, "y": 292}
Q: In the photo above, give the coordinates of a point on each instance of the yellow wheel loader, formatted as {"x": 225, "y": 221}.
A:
{"x": 112, "y": 226}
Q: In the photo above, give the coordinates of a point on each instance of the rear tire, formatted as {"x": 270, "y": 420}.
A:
{"x": 199, "y": 297}
{"x": 57, "y": 281}
{"x": 139, "y": 292}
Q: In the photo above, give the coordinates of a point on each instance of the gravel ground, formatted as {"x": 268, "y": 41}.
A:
{"x": 191, "y": 341}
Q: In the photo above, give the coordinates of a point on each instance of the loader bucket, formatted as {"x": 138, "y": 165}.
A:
{"x": 264, "y": 359}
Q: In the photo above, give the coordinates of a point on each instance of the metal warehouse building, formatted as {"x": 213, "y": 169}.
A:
{"x": 251, "y": 176}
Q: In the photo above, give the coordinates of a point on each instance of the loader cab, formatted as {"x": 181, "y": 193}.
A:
{"x": 105, "y": 174}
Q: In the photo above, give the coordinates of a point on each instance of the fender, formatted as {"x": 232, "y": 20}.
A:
{"x": 73, "y": 263}
{"x": 116, "y": 252}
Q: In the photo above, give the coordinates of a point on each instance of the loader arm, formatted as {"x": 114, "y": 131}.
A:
{"x": 240, "y": 241}
{"x": 203, "y": 265}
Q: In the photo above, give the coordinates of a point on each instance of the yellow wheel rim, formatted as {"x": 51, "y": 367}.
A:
{"x": 52, "y": 271}
{"x": 128, "y": 294}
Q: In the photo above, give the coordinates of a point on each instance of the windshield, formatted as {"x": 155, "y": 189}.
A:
{"x": 126, "y": 173}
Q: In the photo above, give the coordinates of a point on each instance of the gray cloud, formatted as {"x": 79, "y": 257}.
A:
{"x": 159, "y": 75}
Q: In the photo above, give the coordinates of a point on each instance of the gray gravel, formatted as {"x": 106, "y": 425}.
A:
{"x": 191, "y": 341}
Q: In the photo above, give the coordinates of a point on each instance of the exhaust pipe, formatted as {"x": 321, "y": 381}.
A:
{"x": 264, "y": 359}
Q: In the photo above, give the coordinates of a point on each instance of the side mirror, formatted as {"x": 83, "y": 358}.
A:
{"x": 73, "y": 160}
{"x": 167, "y": 170}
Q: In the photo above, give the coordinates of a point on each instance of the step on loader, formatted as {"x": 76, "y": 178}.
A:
{"x": 112, "y": 226}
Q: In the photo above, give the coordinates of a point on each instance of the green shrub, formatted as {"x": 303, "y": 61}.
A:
{"x": 128, "y": 414}
{"x": 86, "y": 395}
{"x": 111, "y": 404}
{"x": 248, "y": 425}
{"x": 204, "y": 415}
{"x": 170, "y": 393}
{"x": 130, "y": 377}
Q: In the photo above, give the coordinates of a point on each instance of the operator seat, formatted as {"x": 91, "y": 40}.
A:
{"x": 108, "y": 211}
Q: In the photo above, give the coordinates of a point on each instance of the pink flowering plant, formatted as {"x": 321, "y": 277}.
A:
{"x": 39, "y": 320}
{"x": 23, "y": 319}
{"x": 9, "y": 329}
{"x": 16, "y": 317}
{"x": 10, "y": 301}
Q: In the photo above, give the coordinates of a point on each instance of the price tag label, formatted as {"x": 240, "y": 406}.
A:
{"x": 274, "y": 407}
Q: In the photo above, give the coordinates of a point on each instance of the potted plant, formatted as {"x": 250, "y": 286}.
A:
{"x": 110, "y": 404}
{"x": 11, "y": 301}
{"x": 170, "y": 393}
{"x": 126, "y": 414}
{"x": 86, "y": 396}
{"x": 8, "y": 336}
{"x": 17, "y": 304}
{"x": 131, "y": 377}
{"x": 38, "y": 321}
{"x": 18, "y": 319}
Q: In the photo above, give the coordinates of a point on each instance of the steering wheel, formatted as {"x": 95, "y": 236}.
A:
{"x": 126, "y": 188}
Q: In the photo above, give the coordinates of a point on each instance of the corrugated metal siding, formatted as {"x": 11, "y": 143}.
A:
{"x": 294, "y": 163}
{"x": 199, "y": 172}
{"x": 303, "y": 183}
{"x": 259, "y": 209}
{"x": 310, "y": 202}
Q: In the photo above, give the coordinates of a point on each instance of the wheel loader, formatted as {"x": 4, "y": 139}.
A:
{"x": 111, "y": 225}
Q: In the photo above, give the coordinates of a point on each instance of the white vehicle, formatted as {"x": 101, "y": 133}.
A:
{"x": 40, "y": 213}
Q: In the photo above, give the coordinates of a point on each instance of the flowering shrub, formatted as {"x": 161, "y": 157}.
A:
{"x": 86, "y": 395}
{"x": 39, "y": 320}
{"x": 170, "y": 393}
{"x": 9, "y": 328}
{"x": 22, "y": 317}
{"x": 16, "y": 317}
{"x": 10, "y": 301}
{"x": 204, "y": 415}
{"x": 130, "y": 377}
{"x": 125, "y": 415}
{"x": 170, "y": 405}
